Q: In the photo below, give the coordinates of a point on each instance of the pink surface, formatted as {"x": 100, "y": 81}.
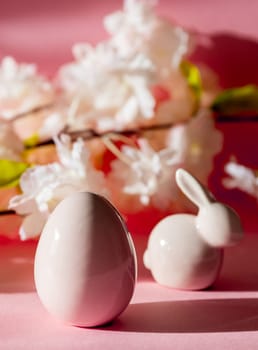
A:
{"x": 224, "y": 317}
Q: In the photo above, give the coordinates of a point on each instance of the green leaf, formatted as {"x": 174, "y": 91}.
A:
{"x": 193, "y": 77}
{"x": 237, "y": 101}
{"x": 31, "y": 141}
{"x": 10, "y": 172}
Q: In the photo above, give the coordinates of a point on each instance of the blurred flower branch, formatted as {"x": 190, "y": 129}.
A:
{"x": 117, "y": 120}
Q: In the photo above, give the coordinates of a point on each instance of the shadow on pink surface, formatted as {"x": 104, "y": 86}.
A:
{"x": 191, "y": 316}
{"x": 233, "y": 57}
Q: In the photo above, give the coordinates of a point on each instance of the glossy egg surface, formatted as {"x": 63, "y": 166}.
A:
{"x": 85, "y": 264}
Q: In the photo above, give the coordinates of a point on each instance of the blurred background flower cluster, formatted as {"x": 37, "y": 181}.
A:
{"x": 118, "y": 120}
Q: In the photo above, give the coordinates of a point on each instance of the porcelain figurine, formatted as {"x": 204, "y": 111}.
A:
{"x": 186, "y": 251}
{"x": 85, "y": 264}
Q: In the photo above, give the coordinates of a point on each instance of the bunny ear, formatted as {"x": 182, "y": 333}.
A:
{"x": 192, "y": 188}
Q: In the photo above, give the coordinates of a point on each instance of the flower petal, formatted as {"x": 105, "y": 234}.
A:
{"x": 32, "y": 225}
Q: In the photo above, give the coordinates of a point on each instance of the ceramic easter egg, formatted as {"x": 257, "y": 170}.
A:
{"x": 85, "y": 264}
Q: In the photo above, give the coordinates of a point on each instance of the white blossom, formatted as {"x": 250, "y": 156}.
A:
{"x": 132, "y": 80}
{"x": 138, "y": 29}
{"x": 196, "y": 142}
{"x": 21, "y": 88}
{"x": 146, "y": 173}
{"x": 111, "y": 91}
{"x": 113, "y": 80}
{"x": 241, "y": 177}
{"x": 44, "y": 186}
{"x": 52, "y": 125}
{"x": 11, "y": 146}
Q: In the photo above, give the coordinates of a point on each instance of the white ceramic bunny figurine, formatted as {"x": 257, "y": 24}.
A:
{"x": 185, "y": 251}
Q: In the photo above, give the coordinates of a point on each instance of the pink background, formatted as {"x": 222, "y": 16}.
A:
{"x": 222, "y": 318}
{"x": 44, "y": 31}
